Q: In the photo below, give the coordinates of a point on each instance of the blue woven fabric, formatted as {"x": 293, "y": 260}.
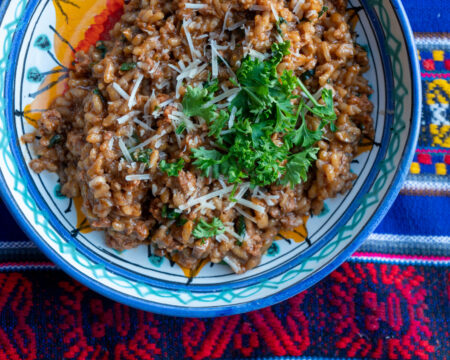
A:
{"x": 418, "y": 215}
{"x": 429, "y": 15}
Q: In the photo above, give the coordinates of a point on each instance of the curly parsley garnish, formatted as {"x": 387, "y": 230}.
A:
{"x": 205, "y": 230}
{"x": 269, "y": 141}
{"x": 171, "y": 169}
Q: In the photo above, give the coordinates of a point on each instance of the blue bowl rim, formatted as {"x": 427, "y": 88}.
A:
{"x": 379, "y": 213}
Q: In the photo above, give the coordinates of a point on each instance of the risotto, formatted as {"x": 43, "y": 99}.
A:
{"x": 204, "y": 128}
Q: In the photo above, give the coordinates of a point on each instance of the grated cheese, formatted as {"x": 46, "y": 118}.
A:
{"x": 195, "y": 6}
{"x": 224, "y": 95}
{"x": 226, "y": 64}
{"x": 137, "y": 177}
{"x": 154, "y": 68}
{"x": 233, "y": 264}
{"x": 120, "y": 91}
{"x": 257, "y": 55}
{"x": 250, "y": 205}
{"x": 242, "y": 190}
{"x": 297, "y": 6}
{"x": 174, "y": 68}
{"x": 165, "y": 103}
{"x": 123, "y": 119}
{"x": 244, "y": 214}
{"x": 148, "y": 141}
{"x": 194, "y": 52}
{"x": 237, "y": 25}
{"x": 222, "y": 237}
{"x": 111, "y": 143}
{"x": 234, "y": 234}
{"x": 232, "y": 116}
{"x": 214, "y": 63}
{"x": 225, "y": 19}
{"x": 154, "y": 189}
{"x": 275, "y": 14}
{"x": 203, "y": 199}
{"x": 132, "y": 100}
{"x": 125, "y": 151}
{"x": 142, "y": 124}
{"x": 203, "y": 207}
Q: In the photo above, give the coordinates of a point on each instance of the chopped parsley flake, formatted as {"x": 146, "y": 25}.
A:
{"x": 142, "y": 155}
{"x": 204, "y": 230}
{"x": 169, "y": 213}
{"x": 171, "y": 169}
{"x": 280, "y": 21}
{"x": 323, "y": 11}
{"x": 127, "y": 66}
{"x": 55, "y": 139}
{"x": 101, "y": 47}
{"x": 180, "y": 129}
{"x": 240, "y": 226}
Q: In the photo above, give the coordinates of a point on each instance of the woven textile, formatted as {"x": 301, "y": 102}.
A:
{"x": 391, "y": 300}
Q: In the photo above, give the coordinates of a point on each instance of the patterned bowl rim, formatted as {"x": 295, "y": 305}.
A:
{"x": 284, "y": 294}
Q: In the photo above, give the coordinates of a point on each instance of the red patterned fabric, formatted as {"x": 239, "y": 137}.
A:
{"x": 362, "y": 311}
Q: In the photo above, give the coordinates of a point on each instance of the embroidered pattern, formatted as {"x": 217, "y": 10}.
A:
{"x": 433, "y": 151}
{"x": 362, "y": 310}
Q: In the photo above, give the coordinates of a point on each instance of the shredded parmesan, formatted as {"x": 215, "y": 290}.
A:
{"x": 123, "y": 119}
{"x": 257, "y": 55}
{"x": 154, "y": 68}
{"x": 225, "y": 19}
{"x": 132, "y": 100}
{"x": 234, "y": 234}
{"x": 137, "y": 177}
{"x": 224, "y": 95}
{"x": 275, "y": 14}
{"x": 242, "y": 190}
{"x": 148, "y": 141}
{"x": 222, "y": 237}
{"x": 297, "y": 6}
{"x": 233, "y": 264}
{"x": 195, "y": 6}
{"x": 203, "y": 199}
{"x": 110, "y": 143}
{"x": 244, "y": 214}
{"x": 194, "y": 52}
{"x": 237, "y": 25}
{"x": 251, "y": 205}
{"x": 142, "y": 124}
{"x": 120, "y": 91}
{"x": 174, "y": 68}
{"x": 226, "y": 64}
{"x": 125, "y": 151}
{"x": 204, "y": 206}
{"x": 214, "y": 63}
{"x": 165, "y": 103}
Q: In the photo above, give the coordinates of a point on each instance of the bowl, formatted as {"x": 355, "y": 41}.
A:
{"x": 39, "y": 38}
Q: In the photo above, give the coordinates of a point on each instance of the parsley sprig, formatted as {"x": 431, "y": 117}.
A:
{"x": 204, "y": 230}
{"x": 270, "y": 141}
{"x": 171, "y": 169}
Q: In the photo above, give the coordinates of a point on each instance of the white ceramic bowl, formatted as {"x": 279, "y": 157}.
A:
{"x": 37, "y": 40}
